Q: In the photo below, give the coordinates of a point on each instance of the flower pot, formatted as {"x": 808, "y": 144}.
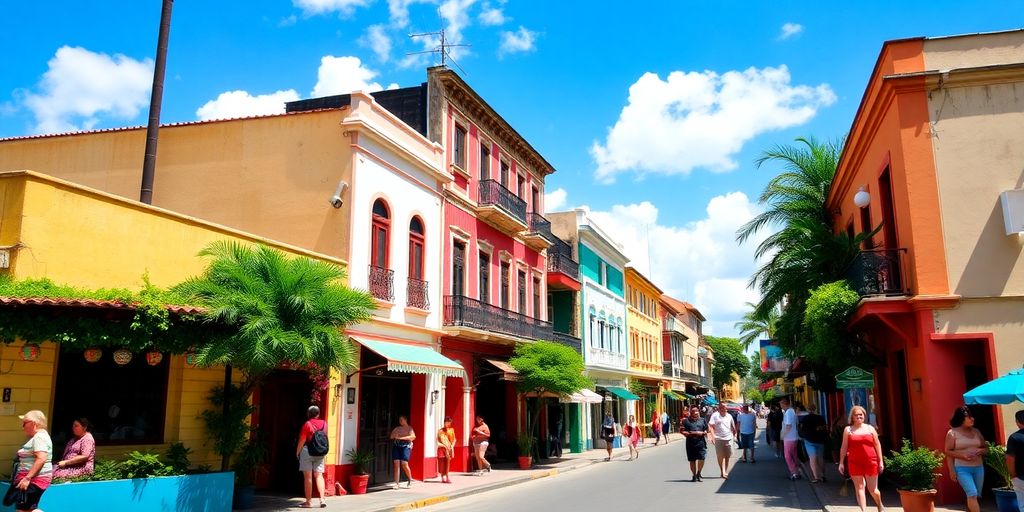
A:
{"x": 357, "y": 483}
{"x": 918, "y": 501}
{"x": 243, "y": 497}
{"x": 525, "y": 462}
{"x": 1006, "y": 500}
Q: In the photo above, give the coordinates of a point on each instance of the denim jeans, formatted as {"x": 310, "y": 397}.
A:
{"x": 1018, "y": 487}
{"x": 970, "y": 479}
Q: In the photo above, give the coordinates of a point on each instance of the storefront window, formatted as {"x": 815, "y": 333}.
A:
{"x": 125, "y": 404}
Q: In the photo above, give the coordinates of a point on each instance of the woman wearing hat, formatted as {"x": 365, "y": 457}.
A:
{"x": 35, "y": 460}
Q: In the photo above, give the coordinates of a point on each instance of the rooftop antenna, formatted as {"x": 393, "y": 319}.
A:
{"x": 442, "y": 49}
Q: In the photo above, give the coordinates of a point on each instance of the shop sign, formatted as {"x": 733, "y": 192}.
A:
{"x": 854, "y": 377}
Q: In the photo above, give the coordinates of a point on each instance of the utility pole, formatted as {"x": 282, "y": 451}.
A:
{"x": 155, "y": 101}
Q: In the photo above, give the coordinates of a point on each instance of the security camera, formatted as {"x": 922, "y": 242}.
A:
{"x": 336, "y": 200}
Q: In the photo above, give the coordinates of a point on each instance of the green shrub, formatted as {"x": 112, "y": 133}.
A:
{"x": 915, "y": 468}
{"x": 143, "y": 465}
{"x": 995, "y": 458}
{"x": 177, "y": 457}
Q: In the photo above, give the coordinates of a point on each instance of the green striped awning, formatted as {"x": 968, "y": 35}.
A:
{"x": 413, "y": 358}
{"x": 621, "y": 393}
{"x": 670, "y": 395}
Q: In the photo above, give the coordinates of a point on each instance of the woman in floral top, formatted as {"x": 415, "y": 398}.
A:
{"x": 79, "y": 454}
{"x": 35, "y": 460}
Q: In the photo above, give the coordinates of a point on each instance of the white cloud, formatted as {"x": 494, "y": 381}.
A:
{"x": 376, "y": 39}
{"x": 520, "y": 41}
{"x": 234, "y": 104}
{"x": 789, "y": 30}
{"x": 702, "y": 119}
{"x": 345, "y": 7}
{"x": 698, "y": 262}
{"x": 81, "y": 86}
{"x": 342, "y": 75}
{"x": 399, "y": 11}
{"x": 288, "y": 21}
{"x": 555, "y": 200}
{"x": 492, "y": 16}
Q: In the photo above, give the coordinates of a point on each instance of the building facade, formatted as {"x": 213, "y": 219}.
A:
{"x": 643, "y": 322}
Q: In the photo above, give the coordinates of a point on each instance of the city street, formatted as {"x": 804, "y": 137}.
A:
{"x": 658, "y": 480}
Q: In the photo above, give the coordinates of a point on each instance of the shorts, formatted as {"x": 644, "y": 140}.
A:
{"x": 696, "y": 452}
{"x": 723, "y": 447}
{"x": 970, "y": 479}
{"x": 814, "y": 450}
{"x": 401, "y": 452}
{"x": 32, "y": 496}
{"x": 308, "y": 462}
{"x": 746, "y": 441}
{"x": 484, "y": 444}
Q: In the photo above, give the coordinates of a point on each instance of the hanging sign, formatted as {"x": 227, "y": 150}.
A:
{"x": 854, "y": 377}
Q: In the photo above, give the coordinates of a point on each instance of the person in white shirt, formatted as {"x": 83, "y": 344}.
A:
{"x": 724, "y": 427}
{"x": 666, "y": 425}
{"x": 790, "y": 438}
{"x": 748, "y": 432}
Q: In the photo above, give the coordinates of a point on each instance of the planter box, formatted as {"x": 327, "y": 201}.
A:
{"x": 207, "y": 492}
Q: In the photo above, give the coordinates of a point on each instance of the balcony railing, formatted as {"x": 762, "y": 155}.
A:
{"x": 382, "y": 283}
{"x": 538, "y": 224}
{"x": 494, "y": 193}
{"x": 560, "y": 259}
{"x": 567, "y": 339}
{"x": 689, "y": 376}
{"x": 668, "y": 370}
{"x": 417, "y": 295}
{"x": 877, "y": 272}
{"x": 462, "y": 311}
{"x": 705, "y": 381}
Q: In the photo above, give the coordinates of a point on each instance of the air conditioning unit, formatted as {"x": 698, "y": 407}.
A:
{"x": 1013, "y": 210}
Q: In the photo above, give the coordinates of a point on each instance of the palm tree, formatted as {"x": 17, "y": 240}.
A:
{"x": 276, "y": 310}
{"x": 752, "y": 327}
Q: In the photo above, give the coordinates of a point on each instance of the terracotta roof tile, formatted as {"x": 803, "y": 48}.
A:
{"x": 89, "y": 303}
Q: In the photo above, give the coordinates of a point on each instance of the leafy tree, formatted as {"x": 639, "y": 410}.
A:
{"x": 754, "y": 396}
{"x": 754, "y": 326}
{"x": 830, "y": 345}
{"x": 729, "y": 359}
{"x": 278, "y": 309}
{"x": 547, "y": 367}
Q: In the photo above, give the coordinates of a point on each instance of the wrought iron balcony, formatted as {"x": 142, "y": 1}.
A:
{"x": 877, "y": 272}
{"x": 417, "y": 294}
{"x": 689, "y": 376}
{"x": 668, "y": 370}
{"x": 382, "y": 283}
{"x": 560, "y": 259}
{"x": 494, "y": 194}
{"x": 568, "y": 340}
{"x": 462, "y": 311}
{"x": 705, "y": 381}
{"x": 540, "y": 225}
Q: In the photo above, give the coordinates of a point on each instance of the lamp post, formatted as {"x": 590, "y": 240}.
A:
{"x": 155, "y": 102}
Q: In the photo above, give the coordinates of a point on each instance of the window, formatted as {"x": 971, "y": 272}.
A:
{"x": 505, "y": 290}
{"x": 536, "y": 299}
{"x": 416, "y": 239}
{"x": 602, "y": 273}
{"x": 865, "y": 226}
{"x": 521, "y": 284}
{"x": 551, "y": 308}
{"x": 535, "y": 201}
{"x": 125, "y": 404}
{"x": 504, "y": 173}
{"x": 521, "y": 186}
{"x": 459, "y": 268}
{"x": 381, "y": 232}
{"x": 485, "y": 162}
{"x": 459, "y": 154}
{"x": 485, "y": 278}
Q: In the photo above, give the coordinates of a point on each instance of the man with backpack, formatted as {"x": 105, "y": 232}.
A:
{"x": 313, "y": 446}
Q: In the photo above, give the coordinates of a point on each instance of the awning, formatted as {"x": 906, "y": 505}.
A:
{"x": 413, "y": 359}
{"x": 672, "y": 395}
{"x": 583, "y": 396}
{"x": 710, "y": 400}
{"x": 508, "y": 373}
{"x": 621, "y": 393}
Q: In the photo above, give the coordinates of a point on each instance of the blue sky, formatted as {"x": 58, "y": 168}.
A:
{"x": 652, "y": 114}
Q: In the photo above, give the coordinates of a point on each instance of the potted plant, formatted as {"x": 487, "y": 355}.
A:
{"x": 525, "y": 442}
{"x": 1006, "y": 498}
{"x": 916, "y": 470}
{"x": 360, "y": 459}
{"x": 247, "y": 466}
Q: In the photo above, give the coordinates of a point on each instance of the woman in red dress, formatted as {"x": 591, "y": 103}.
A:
{"x": 862, "y": 453}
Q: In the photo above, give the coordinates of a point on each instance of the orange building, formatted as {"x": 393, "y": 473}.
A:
{"x": 936, "y": 144}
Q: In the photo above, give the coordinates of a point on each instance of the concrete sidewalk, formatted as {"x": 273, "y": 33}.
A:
{"x": 432, "y": 491}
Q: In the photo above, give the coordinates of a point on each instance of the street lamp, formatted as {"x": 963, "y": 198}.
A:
{"x": 862, "y": 199}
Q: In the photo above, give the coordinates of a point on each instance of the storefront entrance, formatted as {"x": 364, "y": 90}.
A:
{"x": 383, "y": 399}
{"x": 283, "y": 401}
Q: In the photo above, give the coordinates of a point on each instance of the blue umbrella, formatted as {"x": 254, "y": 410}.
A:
{"x": 1004, "y": 390}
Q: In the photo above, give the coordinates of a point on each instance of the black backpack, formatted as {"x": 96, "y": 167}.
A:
{"x": 318, "y": 445}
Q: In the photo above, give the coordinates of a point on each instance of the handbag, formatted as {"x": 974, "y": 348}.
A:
{"x": 15, "y": 497}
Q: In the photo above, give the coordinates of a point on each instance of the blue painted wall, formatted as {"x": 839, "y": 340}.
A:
{"x": 210, "y": 492}
{"x": 590, "y": 266}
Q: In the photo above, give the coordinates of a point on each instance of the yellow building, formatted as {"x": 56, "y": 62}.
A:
{"x": 74, "y": 235}
{"x": 643, "y": 318}
{"x": 732, "y": 391}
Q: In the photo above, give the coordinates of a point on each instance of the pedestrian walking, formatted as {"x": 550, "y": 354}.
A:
{"x": 311, "y": 464}
{"x": 814, "y": 431}
{"x": 774, "y": 433}
{"x": 861, "y": 457}
{"x": 748, "y": 432}
{"x": 631, "y": 435}
{"x": 445, "y": 449}
{"x": 1015, "y": 458}
{"x": 401, "y": 449}
{"x": 608, "y": 433}
{"x": 790, "y": 438}
{"x": 656, "y": 428}
{"x": 666, "y": 425}
{"x": 724, "y": 427}
{"x": 481, "y": 439}
{"x": 695, "y": 430}
{"x": 965, "y": 450}
{"x": 34, "y": 461}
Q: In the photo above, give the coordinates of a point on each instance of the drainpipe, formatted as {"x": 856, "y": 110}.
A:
{"x": 149, "y": 162}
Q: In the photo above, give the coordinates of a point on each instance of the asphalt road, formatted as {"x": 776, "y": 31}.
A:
{"x": 658, "y": 480}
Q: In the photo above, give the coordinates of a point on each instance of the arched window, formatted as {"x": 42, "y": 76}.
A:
{"x": 380, "y": 234}
{"x": 416, "y": 254}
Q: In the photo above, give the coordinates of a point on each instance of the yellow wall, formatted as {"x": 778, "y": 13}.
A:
{"x": 643, "y": 321}
{"x": 73, "y": 235}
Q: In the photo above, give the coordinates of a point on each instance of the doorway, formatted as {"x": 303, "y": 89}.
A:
{"x": 383, "y": 399}
{"x": 284, "y": 398}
